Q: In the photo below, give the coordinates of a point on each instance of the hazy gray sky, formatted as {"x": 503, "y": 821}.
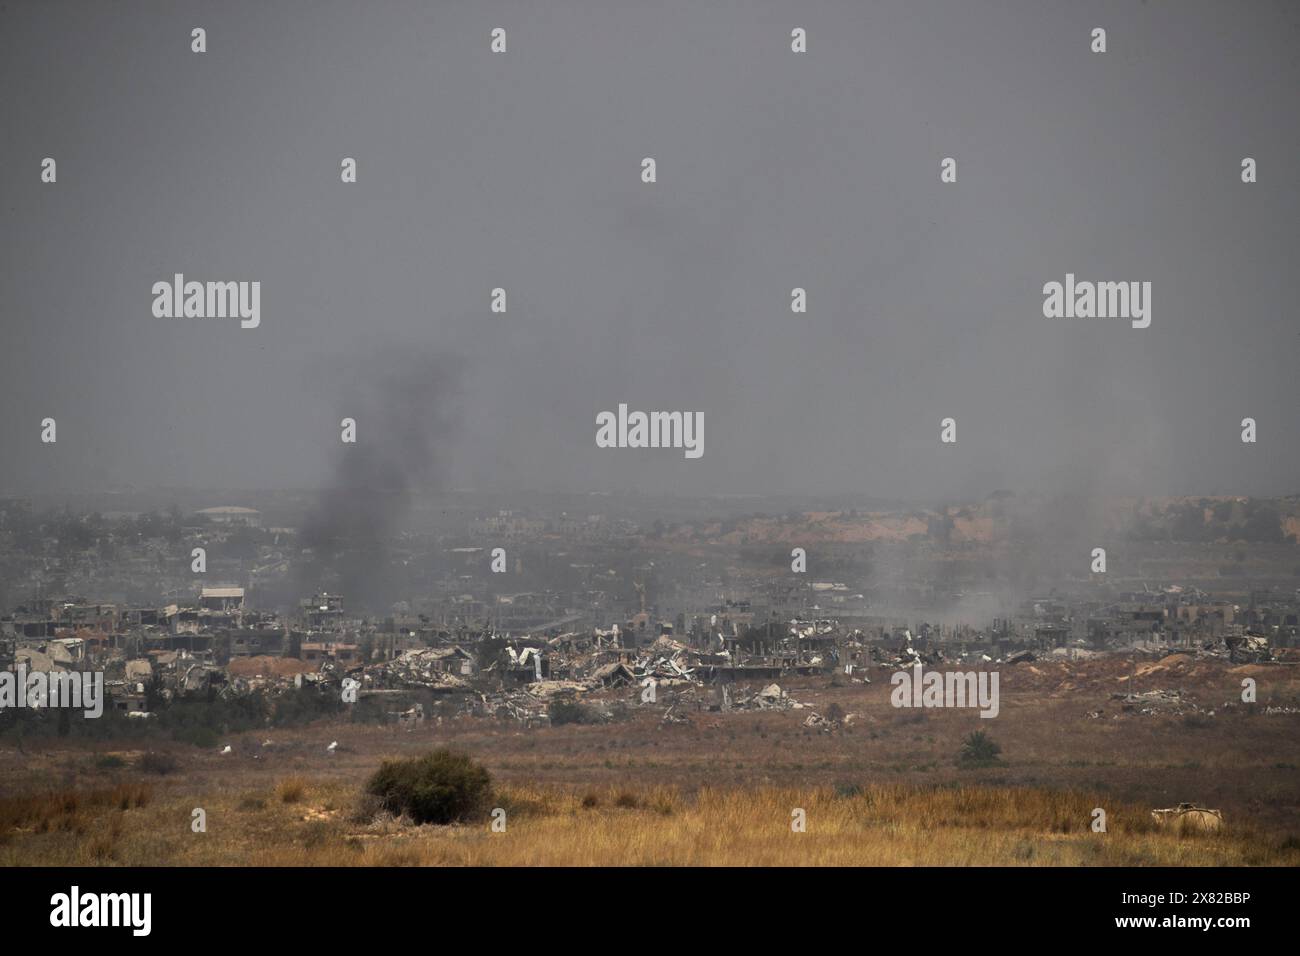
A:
{"x": 775, "y": 170}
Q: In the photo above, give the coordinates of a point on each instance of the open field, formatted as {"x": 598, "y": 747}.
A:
{"x": 886, "y": 789}
{"x": 881, "y": 825}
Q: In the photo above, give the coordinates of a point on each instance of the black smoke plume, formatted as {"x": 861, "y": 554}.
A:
{"x": 404, "y": 404}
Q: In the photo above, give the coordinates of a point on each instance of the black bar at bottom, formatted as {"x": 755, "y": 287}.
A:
{"x": 912, "y": 905}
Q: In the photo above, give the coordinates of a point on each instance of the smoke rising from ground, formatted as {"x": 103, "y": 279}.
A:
{"x": 405, "y": 405}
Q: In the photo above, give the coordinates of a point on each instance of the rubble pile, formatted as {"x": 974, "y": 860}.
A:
{"x": 547, "y": 689}
{"x": 530, "y": 655}
{"x": 1159, "y": 702}
{"x": 668, "y": 663}
{"x": 672, "y": 717}
{"x": 515, "y": 705}
{"x": 665, "y": 670}
{"x": 771, "y": 697}
{"x": 416, "y": 668}
{"x": 1272, "y": 709}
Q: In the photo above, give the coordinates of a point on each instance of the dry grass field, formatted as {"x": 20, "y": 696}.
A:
{"x": 720, "y": 790}
{"x": 290, "y": 824}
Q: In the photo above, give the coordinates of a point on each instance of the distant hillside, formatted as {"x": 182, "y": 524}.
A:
{"x": 1004, "y": 517}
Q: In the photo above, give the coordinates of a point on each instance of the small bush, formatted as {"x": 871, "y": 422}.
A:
{"x": 572, "y": 712}
{"x": 590, "y": 801}
{"x": 317, "y": 834}
{"x": 366, "y": 807}
{"x": 441, "y": 787}
{"x": 979, "y": 750}
{"x": 627, "y": 800}
{"x": 291, "y": 789}
{"x": 158, "y": 763}
{"x": 110, "y": 762}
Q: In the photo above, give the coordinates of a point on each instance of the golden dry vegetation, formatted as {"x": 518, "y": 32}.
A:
{"x": 886, "y": 789}
{"x": 880, "y": 825}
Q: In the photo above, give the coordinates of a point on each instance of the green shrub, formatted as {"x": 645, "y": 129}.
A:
{"x": 442, "y": 787}
{"x": 979, "y": 750}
